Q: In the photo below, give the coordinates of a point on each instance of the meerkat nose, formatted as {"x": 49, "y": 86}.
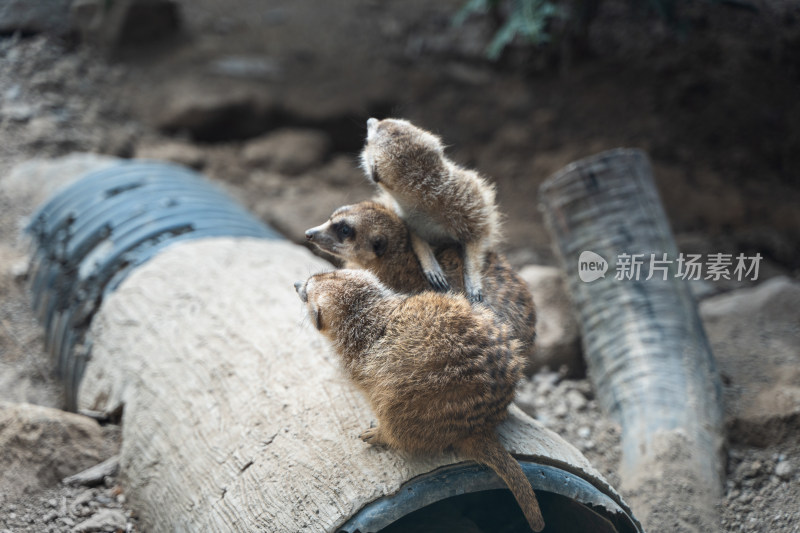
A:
{"x": 300, "y": 287}
{"x": 311, "y": 233}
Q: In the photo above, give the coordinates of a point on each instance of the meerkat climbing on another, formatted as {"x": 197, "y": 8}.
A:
{"x": 438, "y": 372}
{"x": 371, "y": 236}
{"x": 441, "y": 201}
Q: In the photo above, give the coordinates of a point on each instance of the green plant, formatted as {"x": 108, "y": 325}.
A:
{"x": 527, "y": 19}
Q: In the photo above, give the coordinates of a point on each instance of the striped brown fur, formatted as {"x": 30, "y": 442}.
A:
{"x": 378, "y": 240}
{"x": 438, "y": 372}
{"x": 441, "y": 201}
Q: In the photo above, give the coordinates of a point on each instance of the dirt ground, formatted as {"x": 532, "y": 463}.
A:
{"x": 715, "y": 103}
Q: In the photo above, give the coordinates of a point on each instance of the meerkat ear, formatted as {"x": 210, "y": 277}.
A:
{"x": 372, "y": 127}
{"x": 379, "y": 244}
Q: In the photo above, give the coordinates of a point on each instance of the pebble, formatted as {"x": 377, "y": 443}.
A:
{"x": 103, "y": 520}
{"x": 543, "y": 388}
{"x": 784, "y": 470}
{"x": 18, "y": 112}
{"x": 584, "y": 432}
{"x": 12, "y": 93}
{"x": 103, "y": 499}
{"x": 753, "y": 469}
{"x": 576, "y": 400}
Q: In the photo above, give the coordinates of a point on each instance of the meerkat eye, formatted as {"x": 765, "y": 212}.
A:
{"x": 318, "y": 319}
{"x": 345, "y": 230}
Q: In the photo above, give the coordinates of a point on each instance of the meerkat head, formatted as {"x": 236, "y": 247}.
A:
{"x": 361, "y": 234}
{"x": 334, "y": 299}
{"x": 398, "y": 154}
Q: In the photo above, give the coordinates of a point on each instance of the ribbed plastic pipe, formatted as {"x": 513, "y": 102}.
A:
{"x": 92, "y": 234}
{"x": 646, "y": 351}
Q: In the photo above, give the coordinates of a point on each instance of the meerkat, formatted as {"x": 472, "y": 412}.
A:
{"x": 441, "y": 201}
{"x": 369, "y": 235}
{"x": 438, "y": 372}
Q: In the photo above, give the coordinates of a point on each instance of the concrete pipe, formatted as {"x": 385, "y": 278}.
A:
{"x": 235, "y": 414}
{"x": 645, "y": 347}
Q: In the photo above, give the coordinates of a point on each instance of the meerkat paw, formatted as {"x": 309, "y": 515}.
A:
{"x": 475, "y": 297}
{"x": 437, "y": 280}
{"x": 373, "y": 436}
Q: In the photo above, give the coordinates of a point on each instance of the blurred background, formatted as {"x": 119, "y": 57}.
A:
{"x": 271, "y": 98}
{"x": 708, "y": 89}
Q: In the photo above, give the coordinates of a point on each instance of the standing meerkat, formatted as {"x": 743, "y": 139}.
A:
{"x": 371, "y": 236}
{"x": 438, "y": 372}
{"x": 441, "y": 201}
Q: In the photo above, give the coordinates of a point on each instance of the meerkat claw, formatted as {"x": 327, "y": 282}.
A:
{"x": 475, "y": 297}
{"x": 372, "y": 436}
{"x": 438, "y": 281}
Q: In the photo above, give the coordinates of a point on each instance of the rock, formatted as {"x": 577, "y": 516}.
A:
{"x": 784, "y": 470}
{"x": 103, "y": 520}
{"x": 561, "y": 410}
{"x": 753, "y": 469}
{"x": 341, "y": 170}
{"x": 177, "y": 152}
{"x": 28, "y": 16}
{"x": 285, "y": 205}
{"x": 288, "y": 151}
{"x": 40, "y": 445}
{"x": 576, "y": 400}
{"x": 754, "y": 334}
{"x": 557, "y": 333}
{"x": 94, "y": 475}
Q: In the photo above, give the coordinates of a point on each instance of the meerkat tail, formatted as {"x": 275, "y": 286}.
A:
{"x": 486, "y": 448}
{"x": 430, "y": 266}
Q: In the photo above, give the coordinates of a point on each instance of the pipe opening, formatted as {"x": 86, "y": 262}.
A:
{"x": 471, "y": 498}
{"x": 492, "y": 511}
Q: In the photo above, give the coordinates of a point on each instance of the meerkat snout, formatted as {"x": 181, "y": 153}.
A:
{"x": 300, "y": 287}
